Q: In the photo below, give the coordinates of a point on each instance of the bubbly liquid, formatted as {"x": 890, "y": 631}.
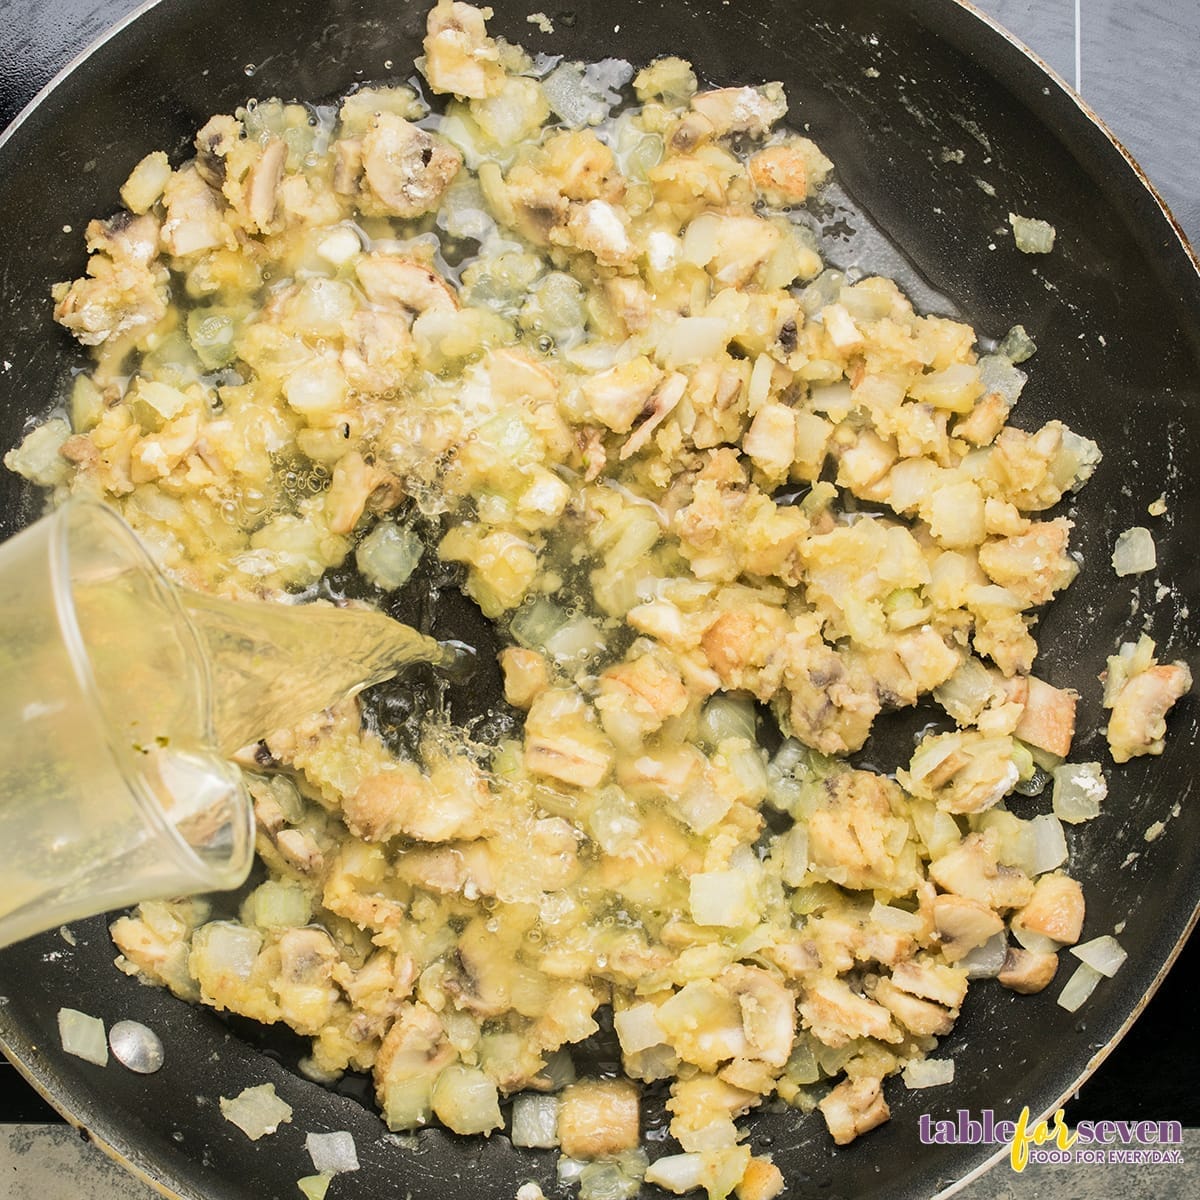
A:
{"x": 272, "y": 665}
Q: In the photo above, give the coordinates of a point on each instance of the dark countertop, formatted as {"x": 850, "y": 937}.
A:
{"x": 1138, "y": 68}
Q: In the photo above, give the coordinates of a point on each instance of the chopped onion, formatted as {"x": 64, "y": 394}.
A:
{"x": 998, "y": 375}
{"x": 83, "y": 1036}
{"x": 986, "y": 961}
{"x": 1078, "y": 790}
{"x": 1134, "y": 553}
{"x": 1035, "y": 943}
{"x": 792, "y": 855}
{"x": 388, "y": 555}
{"x": 256, "y": 1111}
{"x": 721, "y": 898}
{"x": 728, "y": 716}
{"x": 692, "y": 340}
{"x": 677, "y": 1172}
{"x": 579, "y": 638}
{"x": 1104, "y": 954}
{"x": 314, "y": 1187}
{"x": 1031, "y": 235}
{"x": 928, "y": 1072}
{"x": 1079, "y": 987}
{"x": 1049, "y": 844}
{"x": 569, "y": 1169}
{"x": 606, "y": 1181}
{"x": 224, "y": 947}
{"x": 332, "y": 1153}
{"x": 895, "y": 920}
{"x": 638, "y": 1028}
{"x": 535, "y": 1121}
{"x": 37, "y": 457}
{"x": 1017, "y": 345}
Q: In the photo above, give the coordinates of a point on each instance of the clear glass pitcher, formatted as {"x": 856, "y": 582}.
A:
{"x": 109, "y": 791}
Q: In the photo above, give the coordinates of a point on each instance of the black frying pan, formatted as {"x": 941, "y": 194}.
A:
{"x": 1115, "y": 311}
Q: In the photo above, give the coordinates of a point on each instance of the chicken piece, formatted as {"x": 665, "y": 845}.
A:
{"x": 599, "y": 228}
{"x": 562, "y": 741}
{"x": 961, "y": 772}
{"x": 1027, "y": 972}
{"x": 836, "y": 1015}
{"x": 460, "y": 57}
{"x": 413, "y": 1053}
{"x": 620, "y": 395}
{"x": 763, "y": 1180}
{"x": 971, "y": 870}
{"x": 745, "y": 647}
{"x": 300, "y": 851}
{"x": 393, "y": 280}
{"x": 855, "y": 837}
{"x": 831, "y": 701}
{"x": 407, "y": 170}
{"x": 525, "y": 675}
{"x": 920, "y": 1017}
{"x": 598, "y": 1118}
{"x": 660, "y": 405}
{"x": 304, "y": 987}
{"x": 1140, "y": 692}
{"x": 741, "y": 109}
{"x": 401, "y": 801}
{"x": 637, "y": 696}
{"x": 355, "y": 484}
{"x": 631, "y": 301}
{"x": 1032, "y": 565}
{"x": 854, "y": 1107}
{"x": 771, "y": 440}
{"x": 703, "y": 1109}
{"x": 1048, "y": 720}
{"x": 154, "y": 942}
{"x": 768, "y": 1012}
{"x": 125, "y": 292}
{"x": 932, "y": 981}
{"x": 981, "y": 425}
{"x": 1055, "y": 910}
{"x": 195, "y": 221}
{"x": 787, "y": 173}
{"x": 377, "y": 351}
{"x": 962, "y": 925}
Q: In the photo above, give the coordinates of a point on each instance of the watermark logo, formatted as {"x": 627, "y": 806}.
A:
{"x": 1053, "y": 1141}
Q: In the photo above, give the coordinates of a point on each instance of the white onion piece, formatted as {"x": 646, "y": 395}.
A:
{"x": 535, "y": 1121}
{"x": 83, "y": 1036}
{"x": 677, "y": 1172}
{"x": 332, "y": 1153}
{"x": 1031, "y": 235}
{"x": 256, "y": 1111}
{"x": 1104, "y": 954}
{"x": 1134, "y": 553}
{"x": 928, "y": 1072}
{"x": 1049, "y": 849}
{"x": 986, "y": 961}
{"x": 1035, "y": 943}
{"x": 1079, "y": 987}
{"x": 1079, "y": 789}
{"x": 314, "y": 1187}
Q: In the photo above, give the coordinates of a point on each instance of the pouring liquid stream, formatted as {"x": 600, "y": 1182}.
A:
{"x": 272, "y": 665}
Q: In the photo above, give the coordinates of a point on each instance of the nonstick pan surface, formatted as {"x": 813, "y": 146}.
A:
{"x": 892, "y": 90}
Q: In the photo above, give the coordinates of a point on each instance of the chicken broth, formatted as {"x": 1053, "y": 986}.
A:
{"x": 688, "y": 473}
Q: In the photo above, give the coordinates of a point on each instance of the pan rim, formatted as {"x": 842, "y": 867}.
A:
{"x": 125, "y": 1154}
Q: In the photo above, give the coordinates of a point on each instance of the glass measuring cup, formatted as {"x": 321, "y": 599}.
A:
{"x": 110, "y": 792}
